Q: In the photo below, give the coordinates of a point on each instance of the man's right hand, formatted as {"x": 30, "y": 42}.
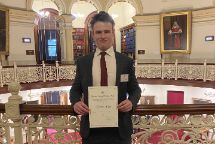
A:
{"x": 81, "y": 108}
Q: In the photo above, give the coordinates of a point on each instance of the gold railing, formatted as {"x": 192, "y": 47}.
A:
{"x": 160, "y": 124}
{"x": 187, "y": 71}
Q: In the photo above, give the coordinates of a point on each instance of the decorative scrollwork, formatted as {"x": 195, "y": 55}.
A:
{"x": 52, "y": 129}
{"x": 7, "y": 75}
{"x": 50, "y": 72}
{"x": 171, "y": 129}
{"x": 67, "y": 72}
{"x": 4, "y": 128}
{"x": 191, "y": 72}
{"x": 164, "y": 71}
{"x": 29, "y": 74}
{"x": 169, "y": 71}
{"x": 149, "y": 71}
{"x": 210, "y": 73}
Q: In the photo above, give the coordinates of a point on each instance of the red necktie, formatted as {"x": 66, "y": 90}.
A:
{"x": 104, "y": 76}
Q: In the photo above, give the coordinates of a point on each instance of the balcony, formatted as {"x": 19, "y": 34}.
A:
{"x": 24, "y": 123}
{"x": 157, "y": 70}
{"x": 153, "y": 124}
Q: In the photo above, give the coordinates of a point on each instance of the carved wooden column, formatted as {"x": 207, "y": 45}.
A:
{"x": 13, "y": 111}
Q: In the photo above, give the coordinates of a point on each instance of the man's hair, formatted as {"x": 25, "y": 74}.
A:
{"x": 102, "y": 16}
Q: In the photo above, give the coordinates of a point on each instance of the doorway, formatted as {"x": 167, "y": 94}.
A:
{"x": 175, "y": 97}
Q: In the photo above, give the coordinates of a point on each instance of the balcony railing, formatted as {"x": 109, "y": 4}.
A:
{"x": 187, "y": 71}
{"x": 153, "y": 124}
{"x": 37, "y": 73}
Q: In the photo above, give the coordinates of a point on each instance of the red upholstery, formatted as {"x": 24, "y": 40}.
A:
{"x": 156, "y": 137}
{"x": 68, "y": 137}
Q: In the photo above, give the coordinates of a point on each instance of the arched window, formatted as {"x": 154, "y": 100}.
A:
{"x": 47, "y": 36}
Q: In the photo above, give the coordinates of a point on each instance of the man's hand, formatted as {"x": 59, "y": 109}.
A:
{"x": 125, "y": 106}
{"x": 81, "y": 108}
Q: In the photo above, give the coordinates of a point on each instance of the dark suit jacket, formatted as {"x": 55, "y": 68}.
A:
{"x": 83, "y": 80}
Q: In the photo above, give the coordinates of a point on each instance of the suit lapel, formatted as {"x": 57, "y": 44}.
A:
{"x": 89, "y": 69}
{"x": 118, "y": 69}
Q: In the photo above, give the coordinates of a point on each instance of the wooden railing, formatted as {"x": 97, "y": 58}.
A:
{"x": 179, "y": 109}
{"x": 141, "y": 110}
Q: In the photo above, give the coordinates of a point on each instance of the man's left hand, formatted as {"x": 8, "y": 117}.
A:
{"x": 125, "y": 106}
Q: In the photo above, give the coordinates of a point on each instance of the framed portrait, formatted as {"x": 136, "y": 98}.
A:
{"x": 175, "y": 32}
{"x": 4, "y": 29}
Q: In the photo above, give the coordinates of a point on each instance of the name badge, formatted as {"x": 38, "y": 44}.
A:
{"x": 124, "y": 78}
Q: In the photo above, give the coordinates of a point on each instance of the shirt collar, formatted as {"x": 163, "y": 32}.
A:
{"x": 109, "y": 51}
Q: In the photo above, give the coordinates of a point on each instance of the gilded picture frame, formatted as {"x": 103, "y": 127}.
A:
{"x": 175, "y": 30}
{"x": 4, "y": 31}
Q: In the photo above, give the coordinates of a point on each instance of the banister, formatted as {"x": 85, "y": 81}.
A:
{"x": 2, "y": 108}
{"x": 161, "y": 109}
{"x": 46, "y": 109}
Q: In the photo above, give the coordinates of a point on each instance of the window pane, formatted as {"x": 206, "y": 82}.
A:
{"x": 52, "y": 42}
{"x": 52, "y": 51}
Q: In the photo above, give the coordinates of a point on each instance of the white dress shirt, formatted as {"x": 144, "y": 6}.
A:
{"x": 110, "y": 60}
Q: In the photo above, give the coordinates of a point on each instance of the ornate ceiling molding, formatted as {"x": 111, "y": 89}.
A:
{"x": 203, "y": 15}
{"x": 61, "y": 6}
{"x": 137, "y": 4}
{"x": 20, "y": 17}
{"x": 95, "y": 3}
{"x": 29, "y": 4}
{"x": 59, "y": 3}
{"x": 149, "y": 20}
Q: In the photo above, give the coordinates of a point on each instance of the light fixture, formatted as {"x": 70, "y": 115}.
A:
{"x": 114, "y": 16}
{"x": 44, "y": 14}
{"x": 209, "y": 38}
{"x": 78, "y": 15}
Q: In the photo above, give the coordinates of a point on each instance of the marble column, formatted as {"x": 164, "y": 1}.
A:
{"x": 67, "y": 40}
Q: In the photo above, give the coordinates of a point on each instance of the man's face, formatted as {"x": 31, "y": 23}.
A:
{"x": 103, "y": 35}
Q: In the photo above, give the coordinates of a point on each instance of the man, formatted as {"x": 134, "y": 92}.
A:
{"x": 119, "y": 71}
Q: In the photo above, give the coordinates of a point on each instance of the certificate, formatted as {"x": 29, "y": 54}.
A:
{"x": 103, "y": 103}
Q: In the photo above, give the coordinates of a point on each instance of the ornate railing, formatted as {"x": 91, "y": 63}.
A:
{"x": 186, "y": 71}
{"x": 37, "y": 124}
{"x": 37, "y": 73}
{"x": 29, "y": 74}
{"x": 174, "y": 124}
{"x": 153, "y": 124}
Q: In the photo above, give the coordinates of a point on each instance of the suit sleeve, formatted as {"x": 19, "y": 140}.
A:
{"x": 134, "y": 90}
{"x": 76, "y": 90}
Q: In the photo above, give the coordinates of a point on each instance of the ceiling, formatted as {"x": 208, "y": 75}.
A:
{"x": 146, "y": 6}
